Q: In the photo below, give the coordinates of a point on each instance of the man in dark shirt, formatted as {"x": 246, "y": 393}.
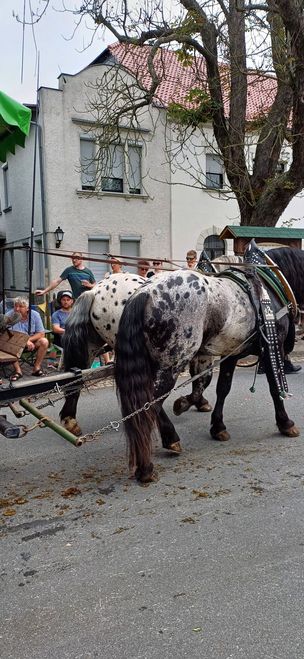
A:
{"x": 79, "y": 277}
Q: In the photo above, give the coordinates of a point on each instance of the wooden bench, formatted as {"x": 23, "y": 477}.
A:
{"x": 12, "y": 345}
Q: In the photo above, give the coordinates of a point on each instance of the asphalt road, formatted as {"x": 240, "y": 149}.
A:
{"x": 207, "y": 563}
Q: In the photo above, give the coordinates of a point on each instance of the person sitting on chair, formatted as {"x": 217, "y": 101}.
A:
{"x": 65, "y": 300}
{"x": 37, "y": 340}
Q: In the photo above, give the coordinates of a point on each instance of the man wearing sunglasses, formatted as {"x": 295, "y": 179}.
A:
{"x": 157, "y": 268}
{"x": 191, "y": 258}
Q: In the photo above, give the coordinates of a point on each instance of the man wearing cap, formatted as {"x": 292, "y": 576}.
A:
{"x": 59, "y": 318}
{"x": 79, "y": 277}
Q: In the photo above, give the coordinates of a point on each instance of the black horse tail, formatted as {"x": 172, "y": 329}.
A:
{"x": 135, "y": 372}
{"x": 79, "y": 332}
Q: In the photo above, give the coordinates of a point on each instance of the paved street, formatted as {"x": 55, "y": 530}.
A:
{"x": 207, "y": 563}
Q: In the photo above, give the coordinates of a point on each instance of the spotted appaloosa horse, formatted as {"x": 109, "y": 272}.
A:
{"x": 92, "y": 323}
{"x": 181, "y": 317}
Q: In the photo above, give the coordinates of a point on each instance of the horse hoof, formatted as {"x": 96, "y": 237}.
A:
{"x": 72, "y": 426}
{"x": 144, "y": 481}
{"x": 221, "y": 436}
{"x": 181, "y": 405}
{"x": 205, "y": 407}
{"x": 290, "y": 432}
{"x": 174, "y": 448}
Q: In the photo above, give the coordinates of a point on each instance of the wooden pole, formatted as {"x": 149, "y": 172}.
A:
{"x": 77, "y": 441}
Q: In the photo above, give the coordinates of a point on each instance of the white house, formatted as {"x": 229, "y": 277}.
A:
{"x": 133, "y": 202}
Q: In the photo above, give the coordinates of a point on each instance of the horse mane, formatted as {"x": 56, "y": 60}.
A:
{"x": 291, "y": 262}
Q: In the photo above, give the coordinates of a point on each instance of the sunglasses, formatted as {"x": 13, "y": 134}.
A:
{"x": 156, "y": 262}
{"x": 190, "y": 259}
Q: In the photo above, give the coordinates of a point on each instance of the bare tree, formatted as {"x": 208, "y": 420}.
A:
{"x": 235, "y": 51}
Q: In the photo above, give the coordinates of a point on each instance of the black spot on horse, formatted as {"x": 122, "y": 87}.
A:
{"x": 107, "y": 287}
{"x": 104, "y": 310}
{"x": 113, "y": 321}
{"x": 114, "y": 282}
{"x": 130, "y": 292}
{"x": 116, "y": 303}
{"x": 113, "y": 290}
{"x": 177, "y": 297}
{"x": 95, "y": 316}
{"x": 188, "y": 332}
{"x": 186, "y": 295}
{"x": 167, "y": 298}
{"x": 191, "y": 278}
{"x": 108, "y": 326}
{"x": 123, "y": 302}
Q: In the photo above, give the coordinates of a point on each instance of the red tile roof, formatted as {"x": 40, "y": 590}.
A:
{"x": 177, "y": 79}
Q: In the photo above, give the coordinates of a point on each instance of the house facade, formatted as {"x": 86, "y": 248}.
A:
{"x": 139, "y": 203}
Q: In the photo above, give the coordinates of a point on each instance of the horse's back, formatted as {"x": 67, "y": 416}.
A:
{"x": 110, "y": 296}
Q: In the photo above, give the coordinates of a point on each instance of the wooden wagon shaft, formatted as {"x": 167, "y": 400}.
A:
{"x": 24, "y": 389}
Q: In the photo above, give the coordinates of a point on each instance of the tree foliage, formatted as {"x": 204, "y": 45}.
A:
{"x": 238, "y": 42}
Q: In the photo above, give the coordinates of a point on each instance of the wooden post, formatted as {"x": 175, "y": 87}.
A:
{"x": 77, "y": 441}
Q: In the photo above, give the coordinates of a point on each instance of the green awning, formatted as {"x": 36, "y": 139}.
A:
{"x": 15, "y": 121}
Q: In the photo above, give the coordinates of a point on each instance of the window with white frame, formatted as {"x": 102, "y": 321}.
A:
{"x": 214, "y": 171}
{"x": 97, "y": 248}
{"x": 88, "y": 163}
{"x": 119, "y": 167}
{"x": 6, "y": 189}
{"x": 130, "y": 247}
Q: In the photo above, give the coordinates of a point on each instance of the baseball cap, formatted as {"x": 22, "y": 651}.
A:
{"x": 62, "y": 293}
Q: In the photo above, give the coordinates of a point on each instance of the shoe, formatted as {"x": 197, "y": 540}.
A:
{"x": 291, "y": 368}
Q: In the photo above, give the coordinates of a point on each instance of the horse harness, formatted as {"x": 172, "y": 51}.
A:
{"x": 265, "y": 315}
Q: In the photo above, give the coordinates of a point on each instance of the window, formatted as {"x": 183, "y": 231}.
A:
{"x": 6, "y": 189}
{"x": 112, "y": 168}
{"x": 130, "y": 247}
{"x": 214, "y": 172}
{"x": 134, "y": 169}
{"x": 88, "y": 164}
{"x": 119, "y": 167}
{"x": 98, "y": 247}
{"x": 214, "y": 246}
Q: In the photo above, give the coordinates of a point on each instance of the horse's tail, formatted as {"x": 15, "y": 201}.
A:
{"x": 79, "y": 332}
{"x": 135, "y": 375}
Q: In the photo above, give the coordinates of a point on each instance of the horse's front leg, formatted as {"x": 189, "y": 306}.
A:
{"x": 69, "y": 409}
{"x": 285, "y": 424}
{"x": 218, "y": 428}
{"x": 198, "y": 364}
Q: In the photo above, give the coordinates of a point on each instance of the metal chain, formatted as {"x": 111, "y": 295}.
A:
{"x": 115, "y": 425}
{"x": 58, "y": 392}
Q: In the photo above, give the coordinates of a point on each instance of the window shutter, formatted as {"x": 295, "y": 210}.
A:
{"x": 97, "y": 248}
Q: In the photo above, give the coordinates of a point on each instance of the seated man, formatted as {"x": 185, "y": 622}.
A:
{"x": 59, "y": 318}
{"x": 37, "y": 340}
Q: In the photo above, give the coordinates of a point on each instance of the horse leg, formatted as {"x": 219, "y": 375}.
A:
{"x": 198, "y": 364}
{"x": 69, "y": 410}
{"x": 169, "y": 436}
{"x": 218, "y": 429}
{"x": 285, "y": 424}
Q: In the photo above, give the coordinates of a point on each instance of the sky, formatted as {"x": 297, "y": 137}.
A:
{"x": 58, "y": 53}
